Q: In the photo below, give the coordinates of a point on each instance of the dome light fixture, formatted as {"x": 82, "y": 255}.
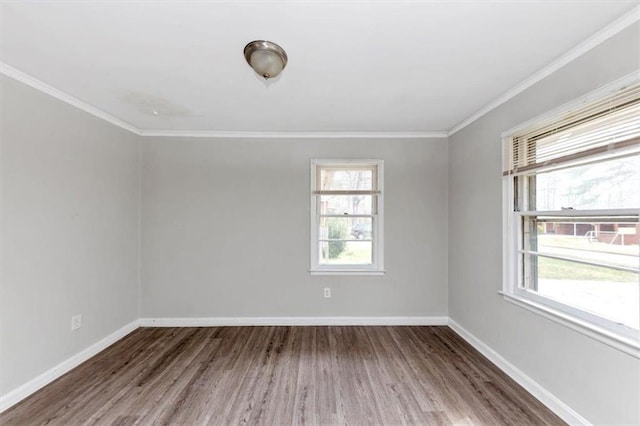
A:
{"x": 266, "y": 58}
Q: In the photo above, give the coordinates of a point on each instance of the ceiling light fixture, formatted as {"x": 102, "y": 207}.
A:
{"x": 266, "y": 58}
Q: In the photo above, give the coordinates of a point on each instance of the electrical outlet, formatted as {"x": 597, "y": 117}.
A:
{"x": 327, "y": 292}
{"x": 76, "y": 322}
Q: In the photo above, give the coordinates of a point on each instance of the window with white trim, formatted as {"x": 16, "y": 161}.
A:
{"x": 347, "y": 217}
{"x": 572, "y": 200}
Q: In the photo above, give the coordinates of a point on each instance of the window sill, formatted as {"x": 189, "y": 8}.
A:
{"x": 627, "y": 345}
{"x": 347, "y": 272}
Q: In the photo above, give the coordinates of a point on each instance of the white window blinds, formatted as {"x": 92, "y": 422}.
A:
{"x": 611, "y": 123}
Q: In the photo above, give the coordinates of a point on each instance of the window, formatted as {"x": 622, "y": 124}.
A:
{"x": 572, "y": 199}
{"x": 346, "y": 217}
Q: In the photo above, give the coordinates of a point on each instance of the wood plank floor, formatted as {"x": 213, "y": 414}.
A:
{"x": 283, "y": 376}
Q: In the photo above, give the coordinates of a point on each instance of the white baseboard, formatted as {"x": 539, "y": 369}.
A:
{"x": 547, "y": 398}
{"x": 563, "y": 411}
{"x": 21, "y": 392}
{"x": 248, "y": 321}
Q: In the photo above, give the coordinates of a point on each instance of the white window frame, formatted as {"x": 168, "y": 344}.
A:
{"x": 377, "y": 227}
{"x": 604, "y": 330}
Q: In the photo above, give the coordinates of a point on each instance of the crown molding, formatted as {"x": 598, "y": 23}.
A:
{"x": 296, "y": 135}
{"x": 31, "y": 81}
{"x": 609, "y": 31}
{"x": 25, "y": 78}
{"x": 599, "y": 93}
{"x": 598, "y": 38}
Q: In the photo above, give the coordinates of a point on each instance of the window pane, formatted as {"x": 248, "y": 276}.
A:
{"x": 613, "y": 244}
{"x": 350, "y": 204}
{"x": 346, "y": 252}
{"x": 346, "y": 179}
{"x": 345, "y": 228}
{"x": 606, "y": 185}
{"x": 606, "y": 292}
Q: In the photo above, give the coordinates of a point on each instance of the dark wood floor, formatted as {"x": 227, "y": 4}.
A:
{"x": 284, "y": 375}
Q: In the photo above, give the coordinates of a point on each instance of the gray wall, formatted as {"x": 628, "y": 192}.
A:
{"x": 226, "y": 233}
{"x": 70, "y": 197}
{"x": 599, "y": 382}
{"x": 225, "y": 229}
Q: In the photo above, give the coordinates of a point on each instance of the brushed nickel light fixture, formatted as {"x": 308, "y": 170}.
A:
{"x": 266, "y": 58}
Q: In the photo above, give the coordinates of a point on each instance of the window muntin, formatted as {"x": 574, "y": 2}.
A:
{"x": 584, "y": 259}
{"x": 346, "y": 212}
{"x": 602, "y": 291}
{"x": 573, "y": 195}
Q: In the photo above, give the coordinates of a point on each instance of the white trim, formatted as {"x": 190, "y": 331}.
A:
{"x": 64, "y": 97}
{"x": 299, "y": 321}
{"x": 23, "y": 391}
{"x": 349, "y": 162}
{"x": 336, "y": 271}
{"x": 618, "y": 336}
{"x": 377, "y": 230}
{"x": 31, "y": 81}
{"x": 552, "y": 402}
{"x": 597, "y": 94}
{"x": 139, "y": 248}
{"x": 298, "y": 135}
{"x": 579, "y": 213}
{"x": 27, "y": 79}
{"x": 598, "y": 38}
{"x": 609, "y": 31}
{"x": 544, "y": 396}
{"x": 597, "y": 332}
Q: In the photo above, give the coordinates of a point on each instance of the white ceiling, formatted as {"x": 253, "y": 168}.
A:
{"x": 353, "y": 66}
